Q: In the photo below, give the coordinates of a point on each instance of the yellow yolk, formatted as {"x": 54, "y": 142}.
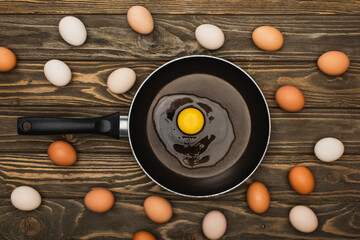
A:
{"x": 190, "y": 121}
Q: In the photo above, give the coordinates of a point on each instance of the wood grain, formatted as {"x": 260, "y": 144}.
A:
{"x": 36, "y": 37}
{"x": 315, "y": 124}
{"x": 335, "y": 182}
{"x": 26, "y": 85}
{"x": 69, "y": 219}
{"x": 182, "y": 7}
{"x": 310, "y": 28}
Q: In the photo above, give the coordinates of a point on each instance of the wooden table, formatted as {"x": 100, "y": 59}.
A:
{"x": 310, "y": 28}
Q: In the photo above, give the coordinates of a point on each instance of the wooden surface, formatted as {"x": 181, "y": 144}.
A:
{"x": 310, "y": 28}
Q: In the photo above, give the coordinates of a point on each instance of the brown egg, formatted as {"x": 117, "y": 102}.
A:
{"x": 268, "y": 38}
{"x": 7, "y": 60}
{"x": 99, "y": 200}
{"x": 143, "y": 235}
{"x": 301, "y": 180}
{"x": 333, "y": 63}
{"x": 258, "y": 197}
{"x": 158, "y": 209}
{"x": 290, "y": 98}
{"x": 62, "y": 153}
{"x": 140, "y": 19}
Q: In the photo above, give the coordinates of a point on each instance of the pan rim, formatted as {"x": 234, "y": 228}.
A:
{"x": 264, "y": 151}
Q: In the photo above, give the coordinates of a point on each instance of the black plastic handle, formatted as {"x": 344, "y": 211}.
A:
{"x": 108, "y": 125}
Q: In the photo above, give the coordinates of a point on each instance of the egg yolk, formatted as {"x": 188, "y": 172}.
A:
{"x": 190, "y": 121}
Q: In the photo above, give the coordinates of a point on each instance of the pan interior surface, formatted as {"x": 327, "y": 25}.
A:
{"x": 216, "y": 91}
{"x": 218, "y": 81}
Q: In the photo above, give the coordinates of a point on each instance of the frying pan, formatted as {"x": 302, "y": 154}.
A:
{"x": 202, "y": 76}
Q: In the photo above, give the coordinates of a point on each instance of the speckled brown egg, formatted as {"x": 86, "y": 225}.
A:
{"x": 333, "y": 63}
{"x": 7, "y": 60}
{"x": 290, "y": 98}
{"x": 301, "y": 180}
{"x": 268, "y": 38}
{"x": 143, "y": 235}
{"x": 99, "y": 200}
{"x": 140, "y": 19}
{"x": 158, "y": 209}
{"x": 258, "y": 197}
{"x": 62, "y": 153}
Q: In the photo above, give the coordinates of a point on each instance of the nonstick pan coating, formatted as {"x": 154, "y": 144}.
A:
{"x": 242, "y": 168}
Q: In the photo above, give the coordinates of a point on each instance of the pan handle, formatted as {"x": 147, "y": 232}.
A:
{"x": 107, "y": 125}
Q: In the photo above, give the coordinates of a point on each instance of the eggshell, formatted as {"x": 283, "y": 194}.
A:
{"x": 209, "y": 36}
{"x": 290, "y": 98}
{"x": 140, "y": 19}
{"x": 303, "y": 219}
{"x": 99, "y": 200}
{"x": 7, "y": 60}
{"x": 268, "y": 38}
{"x": 301, "y": 180}
{"x": 72, "y": 30}
{"x": 258, "y": 197}
{"x": 329, "y": 149}
{"x": 143, "y": 235}
{"x": 25, "y": 198}
{"x": 62, "y": 153}
{"x": 158, "y": 209}
{"x": 333, "y": 63}
{"x": 57, "y": 72}
{"x": 121, "y": 80}
{"x": 214, "y": 225}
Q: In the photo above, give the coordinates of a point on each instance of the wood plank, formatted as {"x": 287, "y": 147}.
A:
{"x": 335, "y": 182}
{"x": 315, "y": 124}
{"x": 68, "y": 219}
{"x": 36, "y": 37}
{"x": 27, "y": 85}
{"x": 182, "y": 7}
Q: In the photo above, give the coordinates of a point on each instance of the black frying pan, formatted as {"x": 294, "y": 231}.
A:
{"x": 203, "y": 77}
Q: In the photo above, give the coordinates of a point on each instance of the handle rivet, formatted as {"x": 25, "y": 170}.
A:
{"x": 26, "y": 126}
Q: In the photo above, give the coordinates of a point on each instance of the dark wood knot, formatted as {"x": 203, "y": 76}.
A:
{"x": 30, "y": 226}
{"x": 194, "y": 236}
{"x": 71, "y": 138}
{"x": 149, "y": 40}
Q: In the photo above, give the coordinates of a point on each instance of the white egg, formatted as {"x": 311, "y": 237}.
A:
{"x": 209, "y": 36}
{"x": 214, "y": 225}
{"x": 329, "y": 149}
{"x": 121, "y": 80}
{"x": 72, "y": 30}
{"x": 57, "y": 72}
{"x": 25, "y": 198}
{"x": 303, "y": 219}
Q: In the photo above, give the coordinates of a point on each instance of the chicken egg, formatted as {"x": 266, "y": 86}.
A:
{"x": 214, "y": 225}
{"x": 268, "y": 38}
{"x": 209, "y": 36}
{"x": 7, "y": 60}
{"x": 258, "y": 197}
{"x": 25, "y": 198}
{"x": 121, "y": 80}
{"x": 333, "y": 63}
{"x": 62, "y": 153}
{"x": 140, "y": 19}
{"x": 72, "y": 30}
{"x": 158, "y": 209}
{"x": 303, "y": 219}
{"x": 99, "y": 200}
{"x": 290, "y": 98}
{"x": 57, "y": 72}
{"x": 143, "y": 235}
{"x": 329, "y": 149}
{"x": 301, "y": 180}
